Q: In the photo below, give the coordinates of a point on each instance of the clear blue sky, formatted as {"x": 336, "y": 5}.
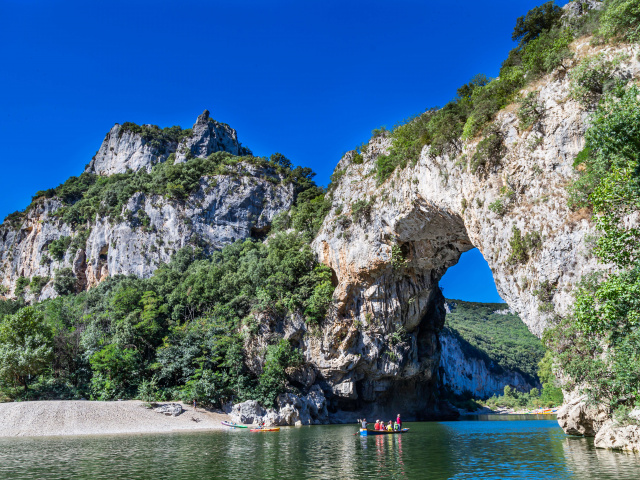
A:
{"x": 470, "y": 279}
{"x": 308, "y": 79}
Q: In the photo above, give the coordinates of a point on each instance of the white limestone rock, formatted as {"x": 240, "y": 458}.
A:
{"x": 618, "y": 437}
{"x": 123, "y": 149}
{"x": 209, "y": 136}
{"x": 249, "y": 412}
{"x": 292, "y": 410}
{"x": 169, "y": 409}
{"x": 463, "y": 373}
{"x": 576, "y": 417}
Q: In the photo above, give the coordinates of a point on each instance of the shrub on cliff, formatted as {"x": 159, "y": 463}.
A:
{"x": 59, "y": 247}
{"x": 603, "y": 328}
{"x": 64, "y": 281}
{"x": 593, "y": 77}
{"x": 621, "y": 18}
{"x": 489, "y": 151}
{"x": 21, "y": 284}
{"x": 611, "y": 142}
{"x": 548, "y": 52}
{"x": 273, "y": 380}
{"x": 157, "y": 137}
{"x": 530, "y": 111}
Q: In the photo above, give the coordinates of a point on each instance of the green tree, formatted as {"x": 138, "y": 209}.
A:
{"x": 278, "y": 359}
{"x": 281, "y": 160}
{"x": 116, "y": 372}
{"x": 551, "y": 390}
{"x": 537, "y": 20}
{"x": 25, "y": 346}
{"x": 64, "y": 281}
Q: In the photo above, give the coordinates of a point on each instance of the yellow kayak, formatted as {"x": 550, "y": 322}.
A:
{"x": 270, "y": 429}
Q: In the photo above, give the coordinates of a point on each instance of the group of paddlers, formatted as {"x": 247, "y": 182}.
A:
{"x": 380, "y": 425}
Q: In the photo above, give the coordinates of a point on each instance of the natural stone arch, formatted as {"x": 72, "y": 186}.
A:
{"x": 434, "y": 210}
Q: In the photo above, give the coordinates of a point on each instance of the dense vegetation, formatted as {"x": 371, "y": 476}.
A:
{"x": 186, "y": 331}
{"x": 501, "y": 339}
{"x": 544, "y": 39}
{"x": 598, "y": 346}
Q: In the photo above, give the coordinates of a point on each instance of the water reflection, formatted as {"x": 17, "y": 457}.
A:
{"x": 458, "y": 450}
{"x": 583, "y": 459}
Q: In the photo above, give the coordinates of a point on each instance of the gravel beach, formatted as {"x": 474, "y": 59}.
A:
{"x": 71, "y": 417}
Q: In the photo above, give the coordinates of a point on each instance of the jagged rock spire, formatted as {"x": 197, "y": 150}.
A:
{"x": 126, "y": 148}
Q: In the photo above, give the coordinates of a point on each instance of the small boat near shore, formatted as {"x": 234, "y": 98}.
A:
{"x": 233, "y": 425}
{"x": 367, "y": 433}
{"x": 266, "y": 429}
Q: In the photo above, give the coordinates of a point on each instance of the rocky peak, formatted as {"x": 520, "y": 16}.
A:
{"x": 133, "y": 147}
{"x": 124, "y": 148}
{"x": 208, "y": 136}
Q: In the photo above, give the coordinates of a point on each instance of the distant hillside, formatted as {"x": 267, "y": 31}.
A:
{"x": 491, "y": 332}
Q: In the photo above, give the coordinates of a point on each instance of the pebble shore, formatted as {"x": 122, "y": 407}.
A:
{"x": 77, "y": 417}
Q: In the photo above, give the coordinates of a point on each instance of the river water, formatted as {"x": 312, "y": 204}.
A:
{"x": 496, "y": 447}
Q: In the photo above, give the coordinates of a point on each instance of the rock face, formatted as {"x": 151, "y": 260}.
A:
{"x": 309, "y": 409}
{"x": 576, "y": 9}
{"x": 619, "y": 437}
{"x": 223, "y": 209}
{"x": 125, "y": 149}
{"x": 389, "y": 244}
{"x": 576, "y": 417}
{"x": 209, "y": 136}
{"x": 463, "y": 373}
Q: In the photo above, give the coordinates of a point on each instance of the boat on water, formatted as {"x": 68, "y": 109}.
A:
{"x": 366, "y": 433}
{"x": 233, "y": 425}
{"x": 266, "y": 429}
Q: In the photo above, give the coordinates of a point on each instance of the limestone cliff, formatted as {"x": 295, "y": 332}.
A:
{"x": 150, "y": 228}
{"x": 462, "y": 372}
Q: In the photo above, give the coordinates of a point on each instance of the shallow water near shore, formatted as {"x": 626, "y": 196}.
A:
{"x": 487, "y": 447}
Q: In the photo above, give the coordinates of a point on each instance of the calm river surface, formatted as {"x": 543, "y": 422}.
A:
{"x": 510, "y": 447}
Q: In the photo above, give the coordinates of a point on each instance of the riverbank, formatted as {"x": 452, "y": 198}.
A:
{"x": 75, "y": 417}
{"x": 509, "y": 411}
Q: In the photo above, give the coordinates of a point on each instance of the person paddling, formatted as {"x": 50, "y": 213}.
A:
{"x": 399, "y": 422}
